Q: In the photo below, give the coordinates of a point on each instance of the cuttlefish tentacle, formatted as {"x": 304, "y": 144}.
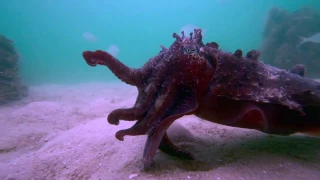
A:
{"x": 130, "y": 114}
{"x": 147, "y": 94}
{"x": 141, "y": 127}
{"x": 124, "y": 73}
{"x": 156, "y": 138}
{"x": 144, "y": 101}
{"x": 128, "y": 75}
{"x": 175, "y": 104}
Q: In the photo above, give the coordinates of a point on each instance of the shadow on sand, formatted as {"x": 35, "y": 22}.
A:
{"x": 211, "y": 153}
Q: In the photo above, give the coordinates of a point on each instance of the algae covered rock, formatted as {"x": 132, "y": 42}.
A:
{"x": 11, "y": 87}
{"x": 283, "y": 35}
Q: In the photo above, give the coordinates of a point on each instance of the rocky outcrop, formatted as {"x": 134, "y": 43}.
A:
{"x": 11, "y": 87}
{"x": 283, "y": 33}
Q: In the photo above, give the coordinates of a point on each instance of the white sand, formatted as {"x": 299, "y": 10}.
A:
{"x": 61, "y": 132}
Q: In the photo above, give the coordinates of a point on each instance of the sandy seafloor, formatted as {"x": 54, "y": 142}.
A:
{"x": 61, "y": 132}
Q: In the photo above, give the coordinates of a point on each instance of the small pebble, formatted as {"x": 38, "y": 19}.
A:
{"x": 132, "y": 176}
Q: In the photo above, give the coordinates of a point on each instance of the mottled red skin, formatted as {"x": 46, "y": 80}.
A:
{"x": 193, "y": 78}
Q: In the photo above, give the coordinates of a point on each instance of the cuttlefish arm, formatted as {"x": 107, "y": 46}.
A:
{"x": 157, "y": 134}
{"x": 169, "y": 106}
{"x": 123, "y": 72}
{"x": 135, "y": 77}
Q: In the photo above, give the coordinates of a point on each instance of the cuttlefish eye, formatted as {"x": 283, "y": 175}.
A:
{"x": 190, "y": 50}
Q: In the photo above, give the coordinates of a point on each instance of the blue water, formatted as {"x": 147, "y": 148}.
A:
{"x": 48, "y": 33}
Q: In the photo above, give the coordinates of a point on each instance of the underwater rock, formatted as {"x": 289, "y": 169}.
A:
{"x": 283, "y": 36}
{"x": 11, "y": 87}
